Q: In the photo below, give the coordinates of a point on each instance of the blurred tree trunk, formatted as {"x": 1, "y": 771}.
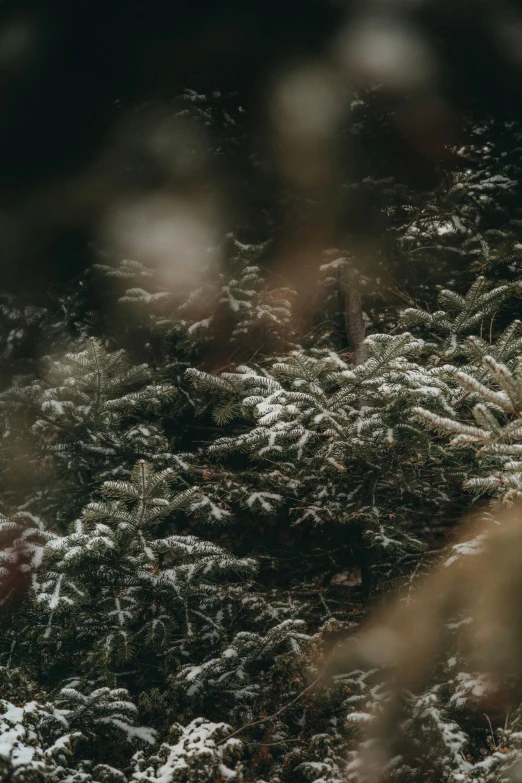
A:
{"x": 355, "y": 331}
{"x": 354, "y": 318}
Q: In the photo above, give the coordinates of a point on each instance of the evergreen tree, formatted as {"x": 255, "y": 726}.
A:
{"x": 77, "y": 425}
{"x": 201, "y": 497}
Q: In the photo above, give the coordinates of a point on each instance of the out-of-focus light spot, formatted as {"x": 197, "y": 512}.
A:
{"x": 509, "y": 37}
{"x": 380, "y": 646}
{"x": 387, "y": 50}
{"x": 306, "y": 108}
{"x": 180, "y": 149}
{"x": 307, "y": 102}
{"x": 17, "y": 41}
{"x": 169, "y": 234}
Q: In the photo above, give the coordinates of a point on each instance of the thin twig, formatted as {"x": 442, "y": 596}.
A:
{"x": 491, "y": 730}
{"x": 491, "y": 330}
{"x": 281, "y": 742}
{"x": 274, "y": 715}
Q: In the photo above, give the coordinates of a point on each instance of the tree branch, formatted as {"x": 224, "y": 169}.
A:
{"x": 274, "y": 715}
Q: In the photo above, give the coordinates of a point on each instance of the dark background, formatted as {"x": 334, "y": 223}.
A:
{"x": 69, "y": 72}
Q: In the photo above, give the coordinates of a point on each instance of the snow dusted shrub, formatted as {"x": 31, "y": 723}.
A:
{"x": 198, "y": 753}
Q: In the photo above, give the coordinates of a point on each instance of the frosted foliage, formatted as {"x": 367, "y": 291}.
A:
{"x": 321, "y": 428}
{"x": 83, "y": 414}
{"x": 201, "y": 753}
{"x": 259, "y": 314}
{"x": 37, "y": 739}
{"x": 473, "y": 215}
{"x": 496, "y": 399}
{"x": 164, "y": 581}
